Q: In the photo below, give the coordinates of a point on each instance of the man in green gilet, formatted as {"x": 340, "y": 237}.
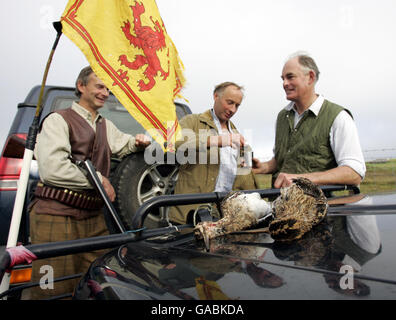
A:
{"x": 314, "y": 138}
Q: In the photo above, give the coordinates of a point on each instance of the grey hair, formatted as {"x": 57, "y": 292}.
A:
{"x": 307, "y": 62}
{"x": 219, "y": 89}
{"x": 83, "y": 78}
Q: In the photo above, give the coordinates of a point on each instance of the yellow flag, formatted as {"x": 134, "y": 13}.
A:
{"x": 209, "y": 290}
{"x": 127, "y": 46}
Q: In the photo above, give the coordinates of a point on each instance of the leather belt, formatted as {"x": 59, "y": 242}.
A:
{"x": 86, "y": 200}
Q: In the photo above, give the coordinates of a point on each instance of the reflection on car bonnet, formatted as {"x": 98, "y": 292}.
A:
{"x": 363, "y": 230}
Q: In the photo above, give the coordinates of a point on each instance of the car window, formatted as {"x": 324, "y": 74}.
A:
{"x": 182, "y": 110}
{"x": 115, "y": 111}
{"x": 112, "y": 110}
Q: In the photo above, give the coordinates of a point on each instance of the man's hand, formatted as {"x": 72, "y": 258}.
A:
{"x": 141, "y": 140}
{"x": 235, "y": 140}
{"x": 257, "y": 166}
{"x": 109, "y": 189}
{"x": 263, "y": 167}
{"x": 285, "y": 180}
{"x": 339, "y": 175}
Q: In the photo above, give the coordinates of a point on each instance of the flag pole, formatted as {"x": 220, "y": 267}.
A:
{"x": 27, "y": 159}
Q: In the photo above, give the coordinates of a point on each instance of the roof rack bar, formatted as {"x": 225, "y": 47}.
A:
{"x": 213, "y": 197}
{"x": 61, "y": 248}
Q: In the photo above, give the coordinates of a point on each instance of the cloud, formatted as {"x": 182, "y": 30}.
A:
{"x": 246, "y": 42}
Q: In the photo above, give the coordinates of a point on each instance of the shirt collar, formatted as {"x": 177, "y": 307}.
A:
{"x": 217, "y": 122}
{"x": 84, "y": 112}
{"x": 314, "y": 107}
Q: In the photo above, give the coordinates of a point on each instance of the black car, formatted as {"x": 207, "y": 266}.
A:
{"x": 149, "y": 180}
{"x": 350, "y": 255}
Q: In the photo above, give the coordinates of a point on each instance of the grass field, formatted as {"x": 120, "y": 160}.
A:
{"x": 380, "y": 177}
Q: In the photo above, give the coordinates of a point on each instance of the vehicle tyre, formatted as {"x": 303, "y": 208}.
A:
{"x": 135, "y": 182}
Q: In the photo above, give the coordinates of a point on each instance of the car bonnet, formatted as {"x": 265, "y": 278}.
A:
{"x": 349, "y": 255}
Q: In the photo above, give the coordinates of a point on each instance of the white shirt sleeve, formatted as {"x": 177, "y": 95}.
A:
{"x": 120, "y": 143}
{"x": 344, "y": 141}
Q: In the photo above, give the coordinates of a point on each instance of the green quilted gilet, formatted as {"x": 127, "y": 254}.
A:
{"x": 305, "y": 148}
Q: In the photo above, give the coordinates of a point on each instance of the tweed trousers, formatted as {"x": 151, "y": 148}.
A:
{"x": 50, "y": 228}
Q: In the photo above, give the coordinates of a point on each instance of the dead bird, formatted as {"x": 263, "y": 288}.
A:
{"x": 297, "y": 209}
{"x": 240, "y": 211}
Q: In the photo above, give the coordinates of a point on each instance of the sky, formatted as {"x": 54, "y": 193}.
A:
{"x": 248, "y": 42}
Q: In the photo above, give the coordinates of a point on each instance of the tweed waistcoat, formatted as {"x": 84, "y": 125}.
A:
{"x": 86, "y": 143}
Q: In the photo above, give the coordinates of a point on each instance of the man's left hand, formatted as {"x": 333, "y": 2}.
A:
{"x": 109, "y": 189}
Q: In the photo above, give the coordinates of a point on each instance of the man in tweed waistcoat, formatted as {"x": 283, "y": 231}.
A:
{"x": 65, "y": 205}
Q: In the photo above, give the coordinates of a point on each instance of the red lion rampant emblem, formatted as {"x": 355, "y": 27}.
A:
{"x": 150, "y": 41}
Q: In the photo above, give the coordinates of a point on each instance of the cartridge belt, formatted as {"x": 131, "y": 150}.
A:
{"x": 86, "y": 200}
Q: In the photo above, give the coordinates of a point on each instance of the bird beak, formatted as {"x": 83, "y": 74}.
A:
{"x": 270, "y": 215}
{"x": 206, "y": 240}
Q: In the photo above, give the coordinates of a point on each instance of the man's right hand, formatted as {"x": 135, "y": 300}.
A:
{"x": 141, "y": 140}
{"x": 235, "y": 140}
{"x": 284, "y": 180}
{"x": 109, "y": 189}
